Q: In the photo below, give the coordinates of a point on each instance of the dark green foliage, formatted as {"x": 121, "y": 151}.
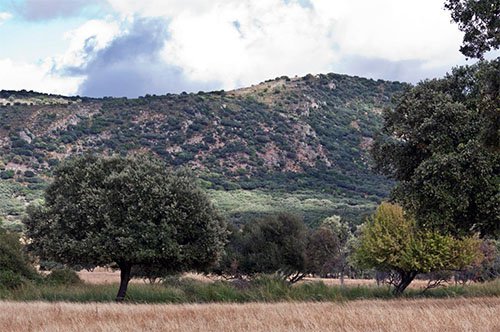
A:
{"x": 10, "y": 279}
{"x": 328, "y": 248}
{"x": 441, "y": 143}
{"x": 272, "y": 245}
{"x": 128, "y": 211}
{"x": 8, "y": 174}
{"x": 322, "y": 252}
{"x": 63, "y": 277}
{"x": 15, "y": 268}
{"x": 480, "y": 22}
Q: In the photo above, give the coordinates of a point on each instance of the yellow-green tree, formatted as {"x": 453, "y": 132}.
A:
{"x": 390, "y": 241}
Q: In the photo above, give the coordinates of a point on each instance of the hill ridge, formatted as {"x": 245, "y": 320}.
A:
{"x": 286, "y": 134}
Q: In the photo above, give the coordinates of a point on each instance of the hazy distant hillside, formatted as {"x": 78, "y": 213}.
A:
{"x": 285, "y": 136}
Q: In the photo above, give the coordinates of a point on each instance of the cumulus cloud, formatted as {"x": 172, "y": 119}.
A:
{"x": 38, "y": 10}
{"x": 88, "y": 39}
{"x": 164, "y": 8}
{"x": 159, "y": 46}
{"x": 125, "y": 63}
{"x": 243, "y": 42}
{"x": 395, "y": 30}
{"x": 249, "y": 41}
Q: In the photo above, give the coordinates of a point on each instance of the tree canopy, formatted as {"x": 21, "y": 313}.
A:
{"x": 129, "y": 211}
{"x": 480, "y": 22}
{"x": 271, "y": 245}
{"x": 441, "y": 144}
{"x": 328, "y": 248}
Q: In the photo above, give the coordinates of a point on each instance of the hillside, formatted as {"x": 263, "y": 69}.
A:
{"x": 296, "y": 141}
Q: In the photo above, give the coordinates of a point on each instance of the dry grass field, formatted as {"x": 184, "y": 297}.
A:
{"x": 476, "y": 314}
{"x": 107, "y": 276}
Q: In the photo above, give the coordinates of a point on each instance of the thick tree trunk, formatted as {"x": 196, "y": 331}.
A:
{"x": 125, "y": 269}
{"x": 406, "y": 279}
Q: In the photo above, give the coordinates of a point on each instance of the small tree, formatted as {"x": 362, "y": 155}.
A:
{"x": 322, "y": 251}
{"x": 484, "y": 269}
{"x": 390, "y": 241}
{"x": 129, "y": 211}
{"x": 328, "y": 248}
{"x": 272, "y": 245}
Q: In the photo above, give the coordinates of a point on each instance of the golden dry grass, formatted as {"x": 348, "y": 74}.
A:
{"x": 102, "y": 276}
{"x": 108, "y": 276}
{"x": 477, "y": 314}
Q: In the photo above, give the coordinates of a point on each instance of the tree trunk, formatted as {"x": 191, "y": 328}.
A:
{"x": 342, "y": 277}
{"x": 406, "y": 279}
{"x": 125, "y": 269}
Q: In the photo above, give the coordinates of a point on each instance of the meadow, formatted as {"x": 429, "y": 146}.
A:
{"x": 478, "y": 314}
{"x": 102, "y": 286}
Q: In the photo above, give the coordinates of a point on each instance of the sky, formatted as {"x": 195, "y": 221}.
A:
{"x": 131, "y": 48}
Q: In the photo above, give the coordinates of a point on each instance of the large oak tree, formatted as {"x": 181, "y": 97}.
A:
{"x": 129, "y": 211}
{"x": 441, "y": 144}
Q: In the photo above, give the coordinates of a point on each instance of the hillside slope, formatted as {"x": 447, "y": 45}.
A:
{"x": 285, "y": 136}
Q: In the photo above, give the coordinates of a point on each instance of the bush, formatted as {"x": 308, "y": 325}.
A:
{"x": 63, "y": 277}
{"x": 10, "y": 279}
{"x": 12, "y": 258}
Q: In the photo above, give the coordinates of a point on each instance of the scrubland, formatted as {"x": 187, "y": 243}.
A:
{"x": 477, "y": 314}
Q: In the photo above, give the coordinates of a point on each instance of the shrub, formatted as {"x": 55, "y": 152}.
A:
{"x": 63, "y": 277}
{"x": 15, "y": 268}
{"x": 10, "y": 279}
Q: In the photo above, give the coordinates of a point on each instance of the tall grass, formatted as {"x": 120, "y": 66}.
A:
{"x": 261, "y": 290}
{"x": 477, "y": 314}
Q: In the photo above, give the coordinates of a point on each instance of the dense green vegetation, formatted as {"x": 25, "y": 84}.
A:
{"x": 441, "y": 143}
{"x": 241, "y": 206}
{"x": 284, "y": 136}
{"x": 15, "y": 267}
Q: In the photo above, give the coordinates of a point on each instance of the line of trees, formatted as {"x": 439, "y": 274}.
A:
{"x": 135, "y": 214}
{"x": 441, "y": 144}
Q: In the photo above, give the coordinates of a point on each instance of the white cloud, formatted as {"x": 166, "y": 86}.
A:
{"x": 4, "y": 16}
{"x": 248, "y": 41}
{"x": 242, "y": 42}
{"x": 394, "y": 30}
{"x": 48, "y": 75}
{"x": 274, "y": 37}
{"x": 86, "y": 40}
{"x": 37, "y": 77}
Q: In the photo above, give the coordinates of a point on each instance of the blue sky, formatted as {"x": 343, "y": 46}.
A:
{"x": 131, "y": 48}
